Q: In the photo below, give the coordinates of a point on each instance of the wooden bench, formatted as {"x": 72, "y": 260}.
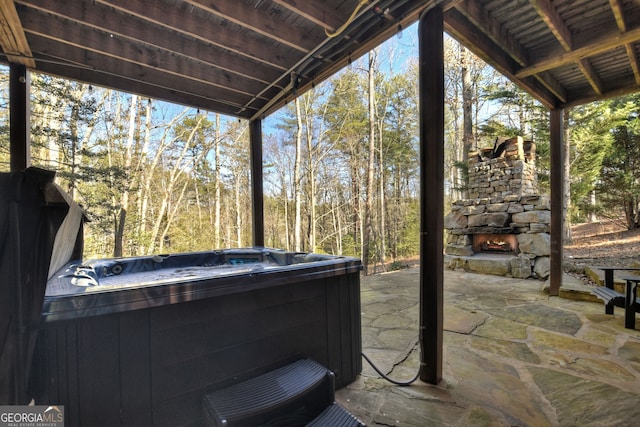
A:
{"x": 628, "y": 301}
{"x": 608, "y": 282}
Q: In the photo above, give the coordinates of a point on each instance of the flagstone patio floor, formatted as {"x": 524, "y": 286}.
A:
{"x": 512, "y": 356}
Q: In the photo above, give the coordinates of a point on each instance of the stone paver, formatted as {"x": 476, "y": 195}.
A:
{"x": 512, "y": 356}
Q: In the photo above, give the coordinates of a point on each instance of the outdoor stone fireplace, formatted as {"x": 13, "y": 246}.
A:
{"x": 502, "y": 227}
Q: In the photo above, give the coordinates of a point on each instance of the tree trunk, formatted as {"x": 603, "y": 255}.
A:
{"x": 217, "y": 176}
{"x": 311, "y": 162}
{"x": 73, "y": 130}
{"x": 383, "y": 225}
{"x": 145, "y": 177}
{"x": 297, "y": 226}
{"x": 368, "y": 230}
{"x": 238, "y": 214}
{"x": 566, "y": 181}
{"x": 124, "y": 200}
{"x": 467, "y": 109}
{"x": 170, "y": 216}
{"x": 592, "y": 202}
{"x": 286, "y": 215}
{"x": 337, "y": 226}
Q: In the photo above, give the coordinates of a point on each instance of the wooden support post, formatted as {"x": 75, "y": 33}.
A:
{"x": 557, "y": 197}
{"x": 19, "y": 132}
{"x": 257, "y": 191}
{"x": 431, "y": 78}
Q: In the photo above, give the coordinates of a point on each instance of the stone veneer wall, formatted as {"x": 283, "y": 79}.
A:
{"x": 502, "y": 199}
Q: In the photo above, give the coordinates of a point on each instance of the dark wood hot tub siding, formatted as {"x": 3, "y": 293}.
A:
{"x": 153, "y": 366}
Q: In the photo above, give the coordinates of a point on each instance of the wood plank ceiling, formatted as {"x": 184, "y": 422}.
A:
{"x": 564, "y": 52}
{"x": 246, "y": 58}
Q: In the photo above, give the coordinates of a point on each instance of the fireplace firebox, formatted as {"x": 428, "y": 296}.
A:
{"x": 499, "y": 243}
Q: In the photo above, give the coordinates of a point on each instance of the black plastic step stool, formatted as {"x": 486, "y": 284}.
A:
{"x": 335, "y": 416}
{"x": 302, "y": 387}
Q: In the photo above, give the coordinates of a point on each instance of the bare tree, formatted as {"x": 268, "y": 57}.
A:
{"x": 297, "y": 225}
{"x": 180, "y": 167}
{"x": 467, "y": 105}
{"x": 368, "y": 220}
{"x": 217, "y": 182}
{"x": 128, "y": 156}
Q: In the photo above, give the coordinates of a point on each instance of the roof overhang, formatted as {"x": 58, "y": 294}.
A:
{"x": 248, "y": 58}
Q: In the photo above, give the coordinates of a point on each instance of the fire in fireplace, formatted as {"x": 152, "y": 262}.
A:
{"x": 499, "y": 243}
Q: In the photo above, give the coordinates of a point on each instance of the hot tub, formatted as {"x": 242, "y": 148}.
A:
{"x": 139, "y": 341}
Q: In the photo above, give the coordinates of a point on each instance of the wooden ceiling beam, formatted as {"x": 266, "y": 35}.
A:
{"x": 253, "y": 19}
{"x": 107, "y": 20}
{"x": 459, "y": 27}
{"x": 594, "y": 47}
{"x": 138, "y": 86}
{"x": 474, "y": 12}
{"x": 550, "y": 16}
{"x": 125, "y": 50}
{"x": 548, "y": 81}
{"x": 199, "y": 28}
{"x": 310, "y": 10}
{"x": 12, "y": 38}
{"x": 633, "y": 61}
{"x": 96, "y": 65}
{"x": 554, "y": 21}
{"x": 591, "y": 75}
{"x": 618, "y": 13}
{"x": 624, "y": 88}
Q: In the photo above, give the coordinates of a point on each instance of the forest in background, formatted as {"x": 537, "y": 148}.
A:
{"x": 340, "y": 163}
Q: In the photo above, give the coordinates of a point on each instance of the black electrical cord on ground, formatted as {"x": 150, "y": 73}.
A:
{"x": 400, "y": 383}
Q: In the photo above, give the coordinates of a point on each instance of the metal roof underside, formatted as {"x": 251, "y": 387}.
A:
{"x": 246, "y": 58}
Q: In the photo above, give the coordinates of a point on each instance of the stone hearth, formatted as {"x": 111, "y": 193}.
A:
{"x": 503, "y": 200}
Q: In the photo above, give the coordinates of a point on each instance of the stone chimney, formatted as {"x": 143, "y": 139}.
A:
{"x": 502, "y": 227}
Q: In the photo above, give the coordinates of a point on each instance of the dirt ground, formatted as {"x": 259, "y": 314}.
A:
{"x": 602, "y": 243}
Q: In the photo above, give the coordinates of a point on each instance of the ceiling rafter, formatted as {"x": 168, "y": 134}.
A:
{"x": 142, "y": 86}
{"x": 238, "y": 57}
{"x": 482, "y": 46}
{"x": 473, "y": 11}
{"x": 562, "y": 33}
{"x": 591, "y": 75}
{"x": 594, "y": 47}
{"x": 254, "y": 20}
{"x": 618, "y": 13}
{"x": 311, "y": 11}
{"x": 550, "y": 16}
{"x": 12, "y": 38}
{"x": 151, "y": 11}
{"x": 548, "y": 81}
{"x": 75, "y": 56}
{"x": 125, "y": 50}
{"x": 633, "y": 61}
{"x": 492, "y": 29}
{"x": 107, "y": 20}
